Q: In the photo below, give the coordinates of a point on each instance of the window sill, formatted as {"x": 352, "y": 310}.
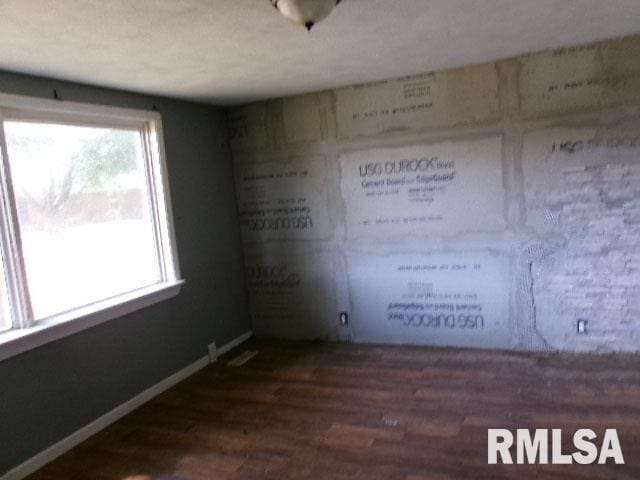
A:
{"x": 14, "y": 342}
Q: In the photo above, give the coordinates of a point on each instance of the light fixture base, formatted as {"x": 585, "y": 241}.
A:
{"x": 305, "y": 12}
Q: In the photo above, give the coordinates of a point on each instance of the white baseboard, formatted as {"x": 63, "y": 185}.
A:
{"x": 234, "y": 343}
{"x": 63, "y": 446}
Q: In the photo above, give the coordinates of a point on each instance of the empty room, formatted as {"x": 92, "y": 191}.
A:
{"x": 319, "y": 239}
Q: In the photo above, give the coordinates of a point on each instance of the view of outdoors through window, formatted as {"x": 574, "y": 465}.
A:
{"x": 84, "y": 211}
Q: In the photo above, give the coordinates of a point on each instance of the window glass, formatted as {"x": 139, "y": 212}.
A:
{"x": 84, "y": 209}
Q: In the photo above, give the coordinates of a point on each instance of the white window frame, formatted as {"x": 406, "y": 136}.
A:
{"x": 26, "y": 333}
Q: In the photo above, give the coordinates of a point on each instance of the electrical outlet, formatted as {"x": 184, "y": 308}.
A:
{"x": 582, "y": 326}
{"x": 344, "y": 319}
{"x": 213, "y": 352}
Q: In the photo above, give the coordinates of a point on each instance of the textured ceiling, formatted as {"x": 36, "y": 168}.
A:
{"x": 232, "y": 51}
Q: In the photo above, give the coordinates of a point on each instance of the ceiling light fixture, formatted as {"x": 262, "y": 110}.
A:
{"x": 305, "y": 12}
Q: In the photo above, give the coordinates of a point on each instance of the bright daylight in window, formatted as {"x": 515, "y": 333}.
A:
{"x": 86, "y": 213}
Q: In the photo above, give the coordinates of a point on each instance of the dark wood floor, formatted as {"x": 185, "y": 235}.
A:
{"x": 325, "y": 411}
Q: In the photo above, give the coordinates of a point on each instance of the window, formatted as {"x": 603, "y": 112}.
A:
{"x": 86, "y": 225}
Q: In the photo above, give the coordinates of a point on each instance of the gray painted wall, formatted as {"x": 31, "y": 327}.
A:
{"x": 488, "y": 206}
{"x": 50, "y": 392}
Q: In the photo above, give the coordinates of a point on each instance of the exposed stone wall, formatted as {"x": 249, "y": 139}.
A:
{"x": 494, "y": 205}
